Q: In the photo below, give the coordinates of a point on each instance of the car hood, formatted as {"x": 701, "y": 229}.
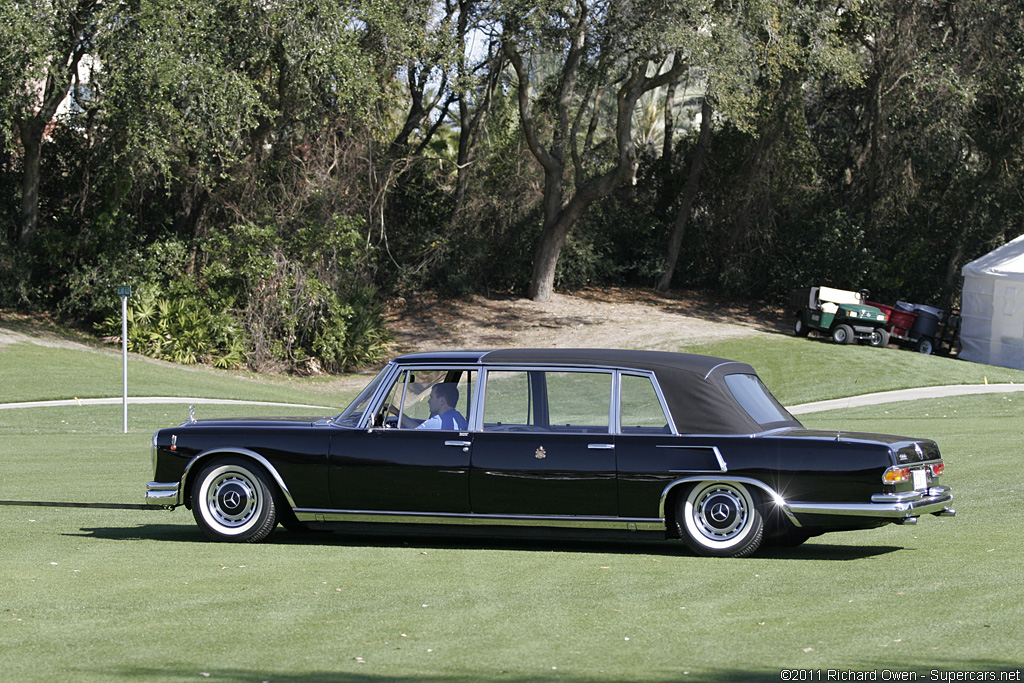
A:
{"x": 258, "y": 421}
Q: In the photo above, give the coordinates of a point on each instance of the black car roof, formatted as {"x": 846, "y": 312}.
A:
{"x": 624, "y": 358}
{"x": 693, "y": 385}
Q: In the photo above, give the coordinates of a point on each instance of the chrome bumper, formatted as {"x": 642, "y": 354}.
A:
{"x": 897, "y": 506}
{"x": 163, "y": 494}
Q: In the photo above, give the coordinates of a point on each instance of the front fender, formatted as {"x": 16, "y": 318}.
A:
{"x": 195, "y": 464}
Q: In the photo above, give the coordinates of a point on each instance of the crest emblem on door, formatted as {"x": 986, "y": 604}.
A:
{"x": 540, "y": 453}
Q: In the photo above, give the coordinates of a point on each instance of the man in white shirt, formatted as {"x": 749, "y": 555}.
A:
{"x": 442, "y": 402}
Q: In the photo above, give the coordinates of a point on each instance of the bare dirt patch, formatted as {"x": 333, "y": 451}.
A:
{"x": 592, "y": 318}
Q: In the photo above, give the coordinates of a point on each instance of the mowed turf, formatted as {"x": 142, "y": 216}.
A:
{"x": 111, "y": 595}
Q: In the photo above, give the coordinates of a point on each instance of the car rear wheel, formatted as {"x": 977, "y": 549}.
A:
{"x": 720, "y": 519}
{"x": 233, "y": 501}
{"x": 842, "y": 334}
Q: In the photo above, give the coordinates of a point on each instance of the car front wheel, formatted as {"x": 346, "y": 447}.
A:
{"x": 720, "y": 519}
{"x": 233, "y": 501}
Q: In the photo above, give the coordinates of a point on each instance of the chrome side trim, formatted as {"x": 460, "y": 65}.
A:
{"x": 549, "y": 521}
{"x": 722, "y": 467}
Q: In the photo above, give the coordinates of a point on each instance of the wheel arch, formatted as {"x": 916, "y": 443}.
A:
{"x": 667, "y": 511}
{"x": 197, "y": 463}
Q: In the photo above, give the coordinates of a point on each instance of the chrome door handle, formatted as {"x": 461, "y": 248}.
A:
{"x": 458, "y": 443}
{"x": 601, "y": 446}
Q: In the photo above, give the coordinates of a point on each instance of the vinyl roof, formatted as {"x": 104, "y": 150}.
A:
{"x": 693, "y": 386}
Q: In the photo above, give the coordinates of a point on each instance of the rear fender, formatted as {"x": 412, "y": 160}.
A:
{"x": 770, "y": 496}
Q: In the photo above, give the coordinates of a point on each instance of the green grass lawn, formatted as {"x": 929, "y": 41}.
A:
{"x": 119, "y": 595}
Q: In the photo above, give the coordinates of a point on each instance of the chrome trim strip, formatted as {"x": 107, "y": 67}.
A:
{"x": 453, "y": 518}
{"x": 722, "y": 467}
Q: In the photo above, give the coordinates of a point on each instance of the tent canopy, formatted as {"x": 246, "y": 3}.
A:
{"x": 992, "y": 310}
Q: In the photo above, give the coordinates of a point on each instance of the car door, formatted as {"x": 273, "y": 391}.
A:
{"x": 543, "y": 445}
{"x": 395, "y": 465}
{"x": 650, "y": 455}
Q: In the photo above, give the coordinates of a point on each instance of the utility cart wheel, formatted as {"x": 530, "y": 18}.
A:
{"x": 842, "y": 334}
{"x": 925, "y": 345}
{"x": 879, "y": 338}
{"x": 800, "y": 328}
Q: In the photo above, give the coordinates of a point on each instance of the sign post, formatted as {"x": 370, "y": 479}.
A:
{"x": 124, "y": 291}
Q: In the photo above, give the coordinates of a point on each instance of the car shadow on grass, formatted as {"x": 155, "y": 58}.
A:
{"x": 185, "y": 533}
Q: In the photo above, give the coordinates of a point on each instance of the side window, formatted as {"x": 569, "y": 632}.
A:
{"x": 509, "y": 401}
{"x": 533, "y": 400}
{"x": 755, "y": 398}
{"x": 579, "y": 401}
{"x": 425, "y": 398}
{"x": 640, "y": 410}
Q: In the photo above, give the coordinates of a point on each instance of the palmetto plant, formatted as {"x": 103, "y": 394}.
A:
{"x": 182, "y": 330}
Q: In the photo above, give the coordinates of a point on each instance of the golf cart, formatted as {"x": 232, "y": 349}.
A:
{"x": 843, "y": 315}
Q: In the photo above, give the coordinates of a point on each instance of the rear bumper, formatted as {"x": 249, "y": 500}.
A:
{"x": 163, "y": 494}
{"x": 897, "y": 507}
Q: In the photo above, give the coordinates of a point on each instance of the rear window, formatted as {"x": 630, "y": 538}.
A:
{"x": 754, "y": 397}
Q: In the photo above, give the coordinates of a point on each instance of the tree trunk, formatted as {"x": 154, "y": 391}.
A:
{"x": 700, "y": 153}
{"x": 31, "y": 135}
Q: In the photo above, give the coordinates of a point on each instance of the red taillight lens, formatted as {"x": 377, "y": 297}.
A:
{"x": 895, "y": 475}
{"x": 938, "y": 468}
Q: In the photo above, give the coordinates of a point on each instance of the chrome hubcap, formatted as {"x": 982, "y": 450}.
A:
{"x": 232, "y": 499}
{"x": 720, "y": 513}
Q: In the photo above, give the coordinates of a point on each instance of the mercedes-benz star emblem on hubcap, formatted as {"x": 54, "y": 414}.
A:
{"x": 720, "y": 512}
{"x": 232, "y": 499}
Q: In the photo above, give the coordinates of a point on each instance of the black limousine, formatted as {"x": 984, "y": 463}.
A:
{"x": 628, "y": 443}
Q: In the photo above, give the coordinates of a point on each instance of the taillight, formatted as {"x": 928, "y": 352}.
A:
{"x": 895, "y": 475}
{"x": 938, "y": 468}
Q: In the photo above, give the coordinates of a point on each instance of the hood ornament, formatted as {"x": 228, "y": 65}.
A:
{"x": 191, "y": 413}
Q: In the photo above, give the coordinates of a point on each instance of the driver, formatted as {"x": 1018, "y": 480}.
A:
{"x": 442, "y": 401}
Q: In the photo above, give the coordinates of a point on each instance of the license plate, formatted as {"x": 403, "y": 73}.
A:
{"x": 920, "y": 479}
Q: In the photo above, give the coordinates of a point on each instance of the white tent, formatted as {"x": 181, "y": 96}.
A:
{"x": 992, "y": 310}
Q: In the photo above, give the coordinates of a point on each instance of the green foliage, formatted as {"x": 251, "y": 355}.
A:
{"x": 268, "y": 161}
{"x": 181, "y": 330}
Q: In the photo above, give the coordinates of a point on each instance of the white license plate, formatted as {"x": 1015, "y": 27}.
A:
{"x": 920, "y": 479}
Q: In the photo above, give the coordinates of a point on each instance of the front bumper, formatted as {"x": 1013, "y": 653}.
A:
{"x": 906, "y": 507}
{"x": 164, "y": 494}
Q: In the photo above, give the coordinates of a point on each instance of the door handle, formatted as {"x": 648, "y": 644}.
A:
{"x": 601, "y": 446}
{"x": 463, "y": 444}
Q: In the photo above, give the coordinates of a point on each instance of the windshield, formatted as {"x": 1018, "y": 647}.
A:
{"x": 350, "y": 416}
{"x": 754, "y": 397}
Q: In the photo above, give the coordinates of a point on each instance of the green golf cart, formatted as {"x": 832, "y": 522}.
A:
{"x": 838, "y": 313}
